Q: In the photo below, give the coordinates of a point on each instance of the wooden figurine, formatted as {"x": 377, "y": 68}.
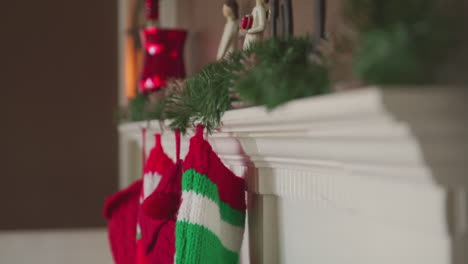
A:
{"x": 255, "y": 33}
{"x": 228, "y": 42}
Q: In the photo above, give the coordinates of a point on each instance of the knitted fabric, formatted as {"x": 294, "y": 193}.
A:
{"x": 121, "y": 210}
{"x": 161, "y": 207}
{"x": 157, "y": 164}
{"x": 211, "y": 218}
{"x": 158, "y": 211}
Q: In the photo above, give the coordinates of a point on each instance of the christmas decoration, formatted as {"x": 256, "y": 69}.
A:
{"x": 280, "y": 70}
{"x": 195, "y": 212}
{"x": 152, "y": 9}
{"x": 155, "y": 167}
{"x": 121, "y": 211}
{"x": 403, "y": 42}
{"x": 255, "y": 33}
{"x": 387, "y": 43}
{"x": 228, "y": 42}
{"x": 160, "y": 210}
{"x": 211, "y": 218}
{"x": 163, "y": 57}
{"x": 204, "y": 97}
{"x": 137, "y": 108}
{"x": 247, "y": 22}
{"x": 269, "y": 73}
{"x": 163, "y": 52}
{"x": 320, "y": 19}
{"x": 281, "y": 15}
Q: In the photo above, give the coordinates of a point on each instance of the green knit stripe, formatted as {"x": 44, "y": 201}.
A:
{"x": 196, "y": 244}
{"x": 200, "y": 184}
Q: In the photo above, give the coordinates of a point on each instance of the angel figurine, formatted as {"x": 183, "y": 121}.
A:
{"x": 255, "y": 33}
{"x": 228, "y": 42}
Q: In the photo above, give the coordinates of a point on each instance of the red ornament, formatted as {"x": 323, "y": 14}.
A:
{"x": 152, "y": 9}
{"x": 247, "y": 22}
{"x": 163, "y": 57}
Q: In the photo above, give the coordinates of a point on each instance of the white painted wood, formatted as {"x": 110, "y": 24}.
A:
{"x": 74, "y": 246}
{"x": 368, "y": 176}
{"x": 312, "y": 233}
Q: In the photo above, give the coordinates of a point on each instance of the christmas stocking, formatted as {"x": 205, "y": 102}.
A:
{"x": 155, "y": 167}
{"x": 160, "y": 210}
{"x": 210, "y": 222}
{"x": 121, "y": 211}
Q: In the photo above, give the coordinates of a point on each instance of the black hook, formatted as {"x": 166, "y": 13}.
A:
{"x": 282, "y": 15}
{"x": 320, "y": 20}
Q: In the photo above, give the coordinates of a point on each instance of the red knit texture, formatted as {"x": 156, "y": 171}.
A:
{"x": 204, "y": 160}
{"x": 193, "y": 246}
{"x": 158, "y": 162}
{"x": 159, "y": 212}
{"x": 121, "y": 210}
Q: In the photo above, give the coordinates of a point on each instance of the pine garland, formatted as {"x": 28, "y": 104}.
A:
{"x": 204, "y": 98}
{"x": 137, "y": 107}
{"x": 140, "y": 108}
{"x": 400, "y": 42}
{"x": 403, "y": 41}
{"x": 269, "y": 73}
{"x": 280, "y": 70}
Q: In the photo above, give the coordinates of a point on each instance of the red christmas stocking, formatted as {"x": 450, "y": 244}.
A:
{"x": 160, "y": 210}
{"x": 155, "y": 167}
{"x": 211, "y": 217}
{"x": 121, "y": 210}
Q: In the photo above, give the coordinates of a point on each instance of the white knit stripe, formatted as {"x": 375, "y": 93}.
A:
{"x": 150, "y": 182}
{"x": 199, "y": 209}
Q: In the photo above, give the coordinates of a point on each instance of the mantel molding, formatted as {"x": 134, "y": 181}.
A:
{"x": 395, "y": 155}
{"x": 390, "y": 132}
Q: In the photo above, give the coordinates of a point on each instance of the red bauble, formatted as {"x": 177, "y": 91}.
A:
{"x": 152, "y": 9}
{"x": 164, "y": 58}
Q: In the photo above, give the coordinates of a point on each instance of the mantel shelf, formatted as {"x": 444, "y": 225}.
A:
{"x": 405, "y": 130}
{"x": 394, "y": 154}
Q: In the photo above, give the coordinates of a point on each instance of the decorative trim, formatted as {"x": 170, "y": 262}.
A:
{"x": 390, "y": 154}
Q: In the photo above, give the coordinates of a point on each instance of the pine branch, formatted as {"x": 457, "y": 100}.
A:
{"x": 403, "y": 41}
{"x": 204, "y": 99}
{"x": 280, "y": 70}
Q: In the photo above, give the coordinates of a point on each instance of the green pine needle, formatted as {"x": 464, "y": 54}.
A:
{"x": 403, "y": 41}
{"x": 204, "y": 99}
{"x": 283, "y": 71}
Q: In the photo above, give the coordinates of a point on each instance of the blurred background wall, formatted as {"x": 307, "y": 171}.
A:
{"x": 58, "y": 140}
{"x": 59, "y": 97}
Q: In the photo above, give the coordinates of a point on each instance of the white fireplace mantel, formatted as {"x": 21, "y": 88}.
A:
{"x": 368, "y": 176}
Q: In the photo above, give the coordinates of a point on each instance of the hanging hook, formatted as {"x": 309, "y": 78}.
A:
{"x": 320, "y": 20}
{"x": 274, "y": 14}
{"x": 177, "y": 143}
{"x": 146, "y": 125}
{"x": 143, "y": 149}
{"x": 161, "y": 126}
